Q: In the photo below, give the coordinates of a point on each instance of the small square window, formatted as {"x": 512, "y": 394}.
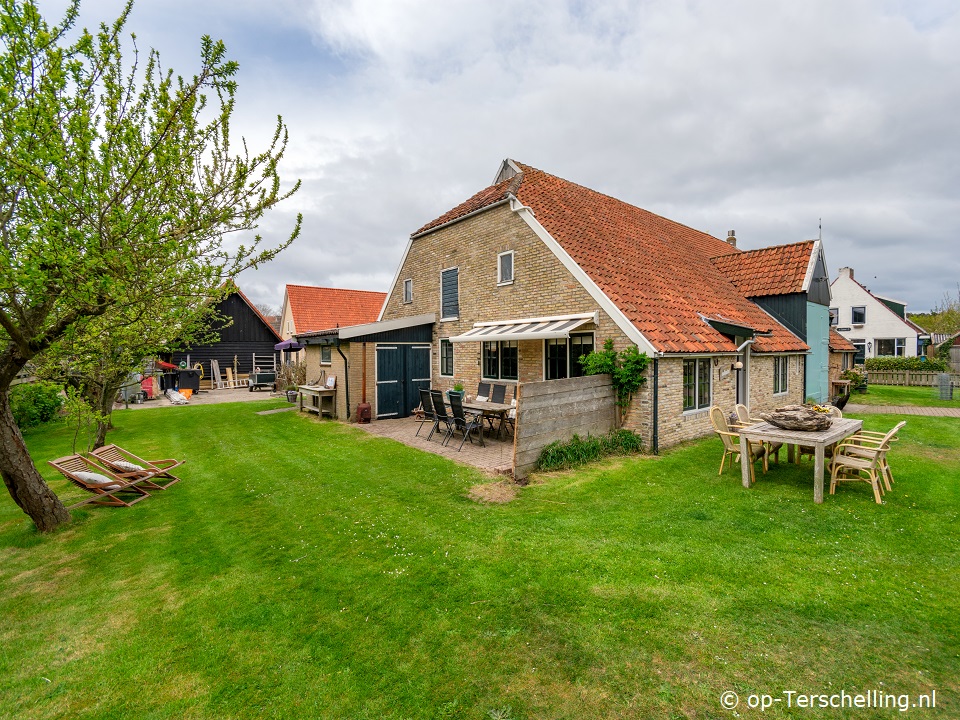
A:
{"x": 505, "y": 268}
{"x": 408, "y": 290}
{"x": 858, "y": 315}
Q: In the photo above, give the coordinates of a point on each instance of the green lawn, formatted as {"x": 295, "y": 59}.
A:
{"x": 898, "y": 395}
{"x": 304, "y": 569}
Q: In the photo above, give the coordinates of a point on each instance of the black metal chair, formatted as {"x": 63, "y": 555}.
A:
{"x": 466, "y": 424}
{"x": 498, "y": 393}
{"x": 440, "y": 411}
{"x": 483, "y": 390}
{"x": 428, "y": 414}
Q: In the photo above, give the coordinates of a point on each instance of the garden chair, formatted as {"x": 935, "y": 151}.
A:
{"x": 427, "y": 414}
{"x": 100, "y": 481}
{"x": 440, "y": 410}
{"x": 731, "y": 444}
{"x": 870, "y": 439}
{"x": 772, "y": 448}
{"x": 498, "y": 393}
{"x": 854, "y": 461}
{"x": 465, "y": 423}
{"x": 128, "y": 466}
{"x": 483, "y": 392}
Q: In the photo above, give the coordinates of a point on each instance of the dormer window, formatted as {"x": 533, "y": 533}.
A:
{"x": 505, "y": 268}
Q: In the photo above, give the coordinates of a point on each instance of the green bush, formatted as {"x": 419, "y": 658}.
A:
{"x": 579, "y": 451}
{"x": 35, "y": 403}
{"x": 905, "y": 363}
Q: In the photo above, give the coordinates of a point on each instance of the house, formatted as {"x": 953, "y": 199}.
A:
{"x": 842, "y": 356}
{"x": 307, "y": 308}
{"x": 876, "y": 325}
{"x": 517, "y": 282}
{"x": 790, "y": 282}
{"x": 246, "y": 339}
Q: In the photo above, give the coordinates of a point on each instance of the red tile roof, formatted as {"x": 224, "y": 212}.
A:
{"x": 777, "y": 270}
{"x": 658, "y": 272}
{"x": 483, "y": 199}
{"x": 318, "y": 308}
{"x": 838, "y": 343}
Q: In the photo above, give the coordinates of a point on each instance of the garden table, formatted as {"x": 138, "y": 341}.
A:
{"x": 819, "y": 439}
{"x": 490, "y": 409}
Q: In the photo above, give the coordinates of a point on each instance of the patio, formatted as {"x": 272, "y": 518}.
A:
{"x": 495, "y": 458}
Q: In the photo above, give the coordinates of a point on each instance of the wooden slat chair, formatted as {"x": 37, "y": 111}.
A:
{"x": 128, "y": 466}
{"x": 854, "y": 461}
{"x": 772, "y": 448}
{"x": 105, "y": 485}
{"x": 731, "y": 443}
{"x": 869, "y": 440}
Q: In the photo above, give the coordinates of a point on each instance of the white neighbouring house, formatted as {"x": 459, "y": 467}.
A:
{"x": 876, "y": 325}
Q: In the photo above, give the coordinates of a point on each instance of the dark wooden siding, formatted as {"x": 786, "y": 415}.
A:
{"x": 820, "y": 287}
{"x": 790, "y": 310}
{"x": 415, "y": 334}
{"x": 247, "y": 334}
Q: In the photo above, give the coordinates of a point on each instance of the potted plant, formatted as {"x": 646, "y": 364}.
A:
{"x": 458, "y": 389}
{"x": 291, "y": 393}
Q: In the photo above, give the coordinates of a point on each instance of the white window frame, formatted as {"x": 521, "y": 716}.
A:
{"x": 329, "y": 349}
{"x": 834, "y": 317}
{"x": 453, "y": 349}
{"x": 513, "y": 268}
{"x": 452, "y": 317}
{"x": 408, "y": 291}
{"x": 781, "y": 369}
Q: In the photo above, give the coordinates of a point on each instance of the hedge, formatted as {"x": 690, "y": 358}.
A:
{"x": 906, "y": 363}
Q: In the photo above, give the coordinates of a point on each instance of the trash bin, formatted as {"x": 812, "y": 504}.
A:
{"x": 189, "y": 379}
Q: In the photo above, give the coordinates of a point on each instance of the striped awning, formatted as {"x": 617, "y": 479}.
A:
{"x": 528, "y": 329}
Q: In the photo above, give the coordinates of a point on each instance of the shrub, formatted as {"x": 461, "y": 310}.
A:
{"x": 579, "y": 451}
{"x": 627, "y": 369}
{"x": 35, "y": 403}
{"x": 905, "y": 363}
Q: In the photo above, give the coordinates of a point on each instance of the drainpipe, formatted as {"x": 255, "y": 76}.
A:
{"x": 656, "y": 406}
{"x": 346, "y": 376}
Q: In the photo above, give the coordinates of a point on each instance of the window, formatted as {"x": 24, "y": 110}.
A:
{"x": 408, "y": 290}
{"x": 500, "y": 360}
{"x": 891, "y": 346}
{"x": 562, "y": 355}
{"x": 696, "y": 384}
{"x": 446, "y": 357}
{"x": 780, "y": 374}
{"x": 505, "y": 268}
{"x": 858, "y": 315}
{"x": 325, "y": 354}
{"x": 861, "y": 347}
{"x": 450, "y": 294}
{"x": 845, "y": 361}
{"x": 834, "y": 317}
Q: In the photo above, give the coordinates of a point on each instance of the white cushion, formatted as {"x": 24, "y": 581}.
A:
{"x": 95, "y": 478}
{"x": 128, "y": 466}
{"x": 481, "y": 398}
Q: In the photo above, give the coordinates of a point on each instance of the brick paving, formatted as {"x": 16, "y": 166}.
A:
{"x": 902, "y": 410}
{"x": 496, "y": 458}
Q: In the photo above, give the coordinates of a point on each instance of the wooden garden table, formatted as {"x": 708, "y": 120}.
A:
{"x": 765, "y": 432}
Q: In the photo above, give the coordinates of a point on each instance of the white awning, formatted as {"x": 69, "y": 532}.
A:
{"x": 527, "y": 329}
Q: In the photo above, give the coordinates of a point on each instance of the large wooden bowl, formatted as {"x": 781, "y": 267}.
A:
{"x": 798, "y": 417}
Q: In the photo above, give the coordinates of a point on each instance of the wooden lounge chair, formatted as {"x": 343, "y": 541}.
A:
{"x": 104, "y": 484}
{"x": 128, "y": 466}
{"x": 863, "y": 461}
{"x": 731, "y": 444}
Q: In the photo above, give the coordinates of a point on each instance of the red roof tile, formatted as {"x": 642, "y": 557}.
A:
{"x": 485, "y": 198}
{"x": 658, "y": 272}
{"x": 318, "y": 308}
{"x": 777, "y": 270}
{"x": 838, "y": 343}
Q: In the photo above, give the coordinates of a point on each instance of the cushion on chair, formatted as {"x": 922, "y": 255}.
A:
{"x": 128, "y": 466}
{"x": 95, "y": 478}
{"x": 481, "y": 398}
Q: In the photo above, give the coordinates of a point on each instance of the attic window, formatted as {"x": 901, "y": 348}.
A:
{"x": 834, "y": 317}
{"x": 408, "y": 290}
{"x": 858, "y": 315}
{"x": 505, "y": 268}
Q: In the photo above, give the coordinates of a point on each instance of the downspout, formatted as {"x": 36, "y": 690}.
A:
{"x": 656, "y": 406}
{"x": 346, "y": 376}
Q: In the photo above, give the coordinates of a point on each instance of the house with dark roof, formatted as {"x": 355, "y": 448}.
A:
{"x": 878, "y": 326}
{"x": 519, "y": 281}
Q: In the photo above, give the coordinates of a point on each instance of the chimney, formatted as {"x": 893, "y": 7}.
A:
{"x": 732, "y": 237}
{"x": 846, "y": 272}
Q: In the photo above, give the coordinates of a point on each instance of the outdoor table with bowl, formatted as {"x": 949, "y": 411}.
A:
{"x": 818, "y": 439}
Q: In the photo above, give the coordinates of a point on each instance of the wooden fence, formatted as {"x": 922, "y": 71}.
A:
{"x": 914, "y": 378}
{"x": 556, "y": 410}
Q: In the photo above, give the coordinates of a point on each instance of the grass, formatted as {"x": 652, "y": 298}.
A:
{"x": 899, "y": 395}
{"x": 306, "y": 569}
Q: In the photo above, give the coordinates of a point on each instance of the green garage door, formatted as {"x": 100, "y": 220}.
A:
{"x": 401, "y": 371}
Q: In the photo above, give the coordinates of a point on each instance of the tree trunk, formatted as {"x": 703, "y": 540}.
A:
{"x": 26, "y": 487}
{"x": 105, "y": 408}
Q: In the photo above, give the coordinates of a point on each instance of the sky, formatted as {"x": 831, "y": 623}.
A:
{"x": 781, "y": 120}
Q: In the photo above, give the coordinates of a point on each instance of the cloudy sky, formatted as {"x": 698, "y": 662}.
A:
{"x": 754, "y": 115}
